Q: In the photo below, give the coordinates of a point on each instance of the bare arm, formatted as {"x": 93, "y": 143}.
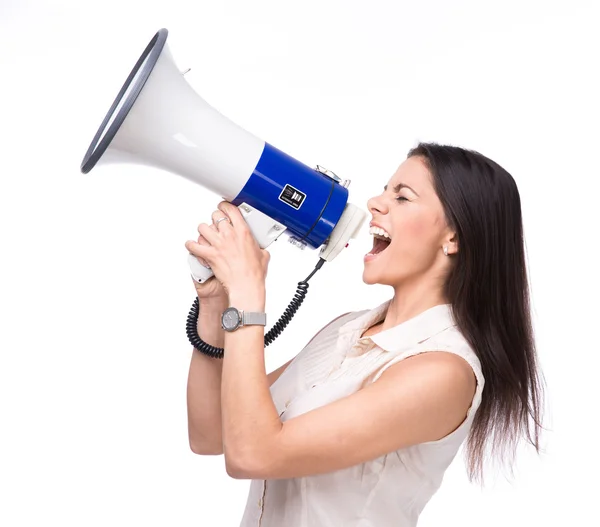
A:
{"x": 421, "y": 399}
{"x": 204, "y": 383}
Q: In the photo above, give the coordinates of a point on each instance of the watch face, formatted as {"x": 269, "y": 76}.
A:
{"x": 230, "y": 319}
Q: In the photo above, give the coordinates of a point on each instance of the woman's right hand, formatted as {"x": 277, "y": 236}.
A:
{"x": 212, "y": 289}
{"x": 209, "y": 290}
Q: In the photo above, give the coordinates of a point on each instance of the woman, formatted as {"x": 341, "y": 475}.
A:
{"x": 360, "y": 426}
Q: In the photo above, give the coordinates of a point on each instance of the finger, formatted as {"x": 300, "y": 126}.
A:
{"x": 217, "y": 215}
{"x": 266, "y": 256}
{"x": 210, "y": 233}
{"x": 212, "y": 226}
{"x": 222, "y": 223}
{"x": 203, "y": 252}
{"x": 234, "y": 214}
{"x": 202, "y": 241}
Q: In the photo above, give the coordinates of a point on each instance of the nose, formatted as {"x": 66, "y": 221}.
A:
{"x": 376, "y": 206}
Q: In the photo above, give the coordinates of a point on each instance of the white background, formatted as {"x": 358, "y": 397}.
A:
{"x": 94, "y": 283}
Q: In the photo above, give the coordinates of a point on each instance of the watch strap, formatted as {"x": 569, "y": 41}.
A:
{"x": 250, "y": 318}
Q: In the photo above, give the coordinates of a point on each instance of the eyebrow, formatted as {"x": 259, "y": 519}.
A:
{"x": 399, "y": 187}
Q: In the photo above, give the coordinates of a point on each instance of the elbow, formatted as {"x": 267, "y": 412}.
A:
{"x": 206, "y": 449}
{"x": 235, "y": 471}
{"x": 247, "y": 466}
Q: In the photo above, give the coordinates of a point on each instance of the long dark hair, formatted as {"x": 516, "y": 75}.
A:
{"x": 489, "y": 293}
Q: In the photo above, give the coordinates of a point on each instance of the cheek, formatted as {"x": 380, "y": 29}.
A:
{"x": 414, "y": 229}
{"x": 417, "y": 234}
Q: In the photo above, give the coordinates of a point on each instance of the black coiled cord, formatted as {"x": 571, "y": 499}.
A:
{"x": 191, "y": 326}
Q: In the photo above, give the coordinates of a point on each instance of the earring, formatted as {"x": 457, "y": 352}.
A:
{"x": 445, "y": 250}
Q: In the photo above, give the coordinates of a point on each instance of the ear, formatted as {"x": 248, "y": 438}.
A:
{"x": 451, "y": 241}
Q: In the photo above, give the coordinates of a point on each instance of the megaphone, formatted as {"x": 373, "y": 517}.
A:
{"x": 158, "y": 120}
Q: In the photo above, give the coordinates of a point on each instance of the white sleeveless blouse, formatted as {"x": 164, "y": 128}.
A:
{"x": 392, "y": 489}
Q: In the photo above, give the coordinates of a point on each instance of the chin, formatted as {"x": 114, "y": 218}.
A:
{"x": 370, "y": 278}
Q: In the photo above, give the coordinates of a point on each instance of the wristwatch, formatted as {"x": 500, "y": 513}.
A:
{"x": 233, "y": 318}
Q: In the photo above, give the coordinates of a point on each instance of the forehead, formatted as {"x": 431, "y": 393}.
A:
{"x": 414, "y": 173}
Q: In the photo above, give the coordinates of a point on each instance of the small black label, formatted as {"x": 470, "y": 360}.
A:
{"x": 292, "y": 196}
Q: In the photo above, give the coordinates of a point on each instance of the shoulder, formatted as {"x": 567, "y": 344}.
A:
{"x": 445, "y": 361}
{"x": 452, "y": 340}
{"x": 443, "y": 387}
{"x": 446, "y": 373}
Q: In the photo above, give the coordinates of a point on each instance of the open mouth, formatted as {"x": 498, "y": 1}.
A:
{"x": 380, "y": 244}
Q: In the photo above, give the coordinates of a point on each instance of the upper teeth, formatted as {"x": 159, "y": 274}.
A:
{"x": 379, "y": 232}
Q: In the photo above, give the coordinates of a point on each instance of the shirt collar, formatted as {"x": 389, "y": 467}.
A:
{"x": 410, "y": 332}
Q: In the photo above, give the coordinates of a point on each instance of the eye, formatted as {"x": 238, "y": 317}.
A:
{"x": 401, "y": 198}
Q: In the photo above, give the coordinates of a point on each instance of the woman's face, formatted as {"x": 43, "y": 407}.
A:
{"x": 411, "y": 213}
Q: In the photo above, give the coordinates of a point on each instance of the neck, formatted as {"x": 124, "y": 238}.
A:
{"x": 410, "y": 299}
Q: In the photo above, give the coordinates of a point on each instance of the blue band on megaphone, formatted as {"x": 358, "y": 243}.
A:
{"x": 306, "y": 201}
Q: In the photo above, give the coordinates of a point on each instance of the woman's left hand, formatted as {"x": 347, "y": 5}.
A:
{"x": 234, "y": 256}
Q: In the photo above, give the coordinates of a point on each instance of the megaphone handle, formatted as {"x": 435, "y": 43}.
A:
{"x": 200, "y": 273}
{"x": 264, "y": 229}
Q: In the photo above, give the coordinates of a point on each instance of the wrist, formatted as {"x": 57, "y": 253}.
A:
{"x": 248, "y": 298}
{"x": 212, "y": 306}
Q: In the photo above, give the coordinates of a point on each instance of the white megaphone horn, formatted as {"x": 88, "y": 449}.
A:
{"x": 157, "y": 119}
